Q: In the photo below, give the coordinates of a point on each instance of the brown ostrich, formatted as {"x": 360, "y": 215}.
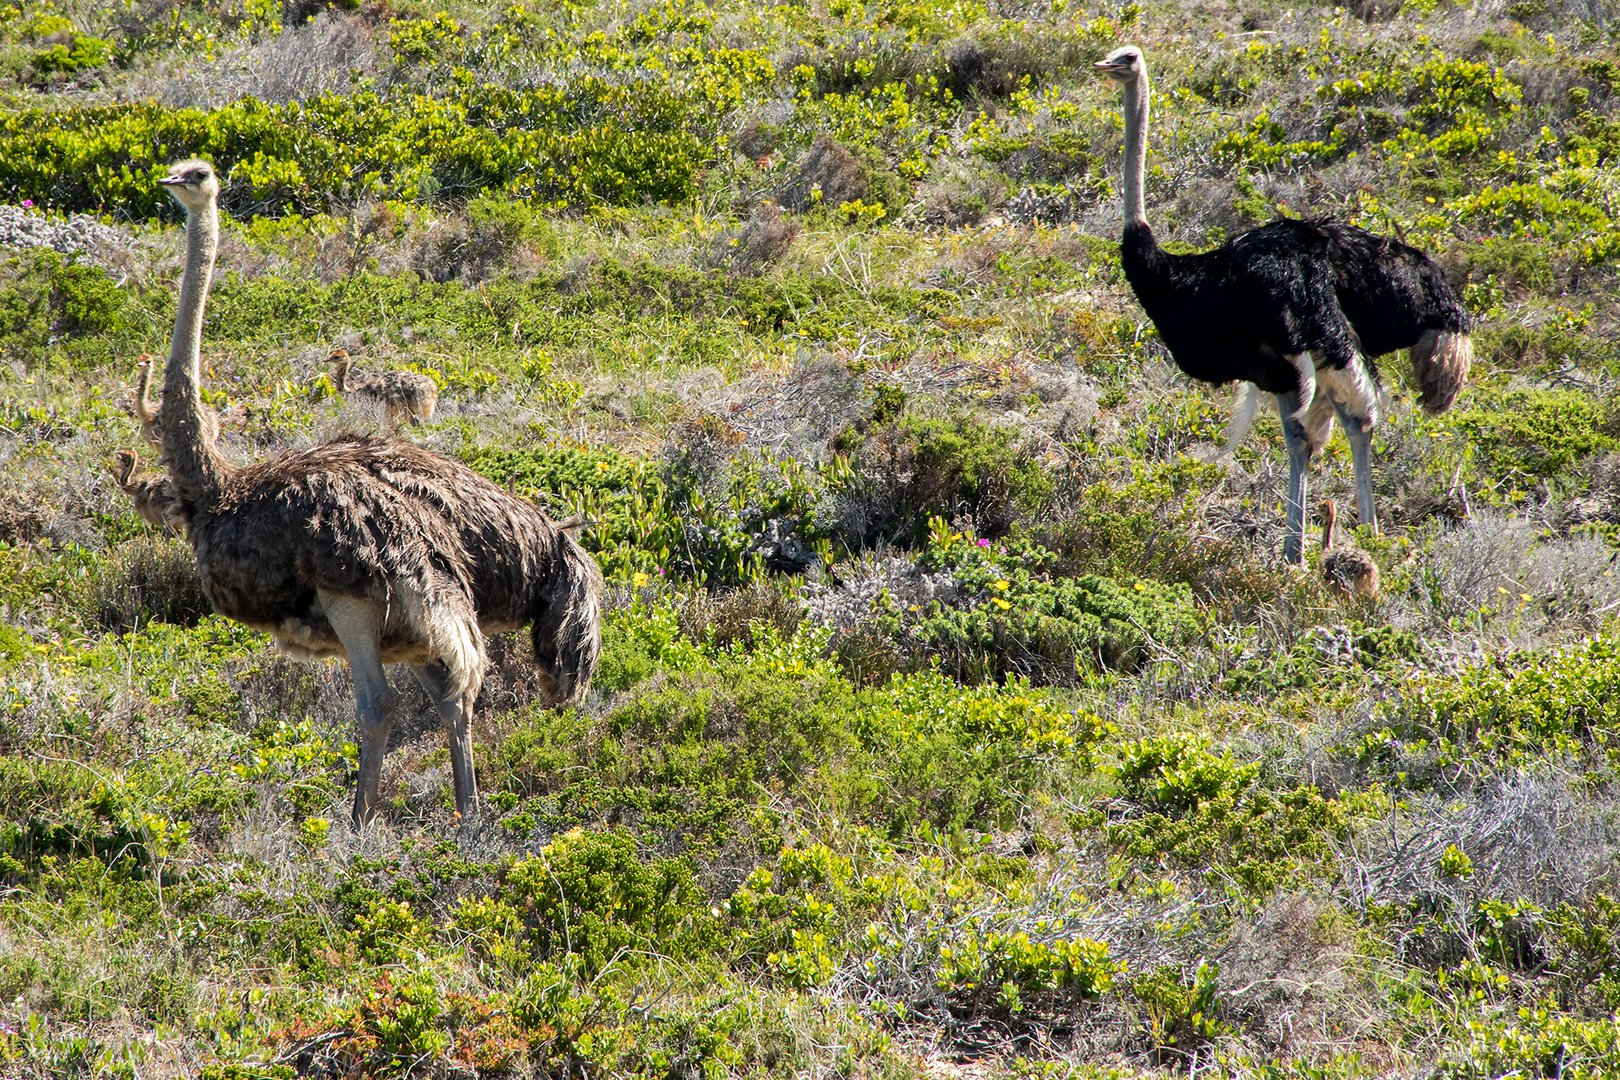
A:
{"x": 403, "y": 394}
{"x": 1347, "y": 569}
{"x": 152, "y": 493}
{"x": 374, "y": 550}
{"x": 148, "y": 412}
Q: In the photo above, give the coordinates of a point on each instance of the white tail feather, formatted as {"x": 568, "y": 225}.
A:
{"x": 1242, "y": 421}
{"x": 1305, "y": 364}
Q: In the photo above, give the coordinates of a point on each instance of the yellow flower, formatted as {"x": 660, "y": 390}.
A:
{"x": 1000, "y": 603}
{"x": 1000, "y": 586}
{"x": 639, "y": 578}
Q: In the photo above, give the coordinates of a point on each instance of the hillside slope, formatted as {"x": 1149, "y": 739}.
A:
{"x": 956, "y": 715}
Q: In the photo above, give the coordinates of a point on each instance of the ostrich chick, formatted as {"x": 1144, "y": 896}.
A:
{"x": 1347, "y": 569}
{"x": 404, "y": 394}
{"x": 152, "y": 493}
{"x": 149, "y": 413}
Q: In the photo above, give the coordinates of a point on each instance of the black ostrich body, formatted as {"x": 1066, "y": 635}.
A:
{"x": 1288, "y": 287}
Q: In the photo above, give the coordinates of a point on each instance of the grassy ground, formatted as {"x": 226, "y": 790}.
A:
{"x": 956, "y": 717}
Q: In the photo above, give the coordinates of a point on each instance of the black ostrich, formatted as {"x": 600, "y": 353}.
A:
{"x": 1297, "y": 308}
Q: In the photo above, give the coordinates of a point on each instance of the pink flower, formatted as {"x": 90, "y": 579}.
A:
{"x": 983, "y": 542}
{"x": 28, "y": 204}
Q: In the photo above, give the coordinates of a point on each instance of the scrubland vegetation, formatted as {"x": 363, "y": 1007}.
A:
{"x": 956, "y": 715}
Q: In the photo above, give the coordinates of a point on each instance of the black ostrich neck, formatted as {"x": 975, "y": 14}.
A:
{"x": 1146, "y": 265}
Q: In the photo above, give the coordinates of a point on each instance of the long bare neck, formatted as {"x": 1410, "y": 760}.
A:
{"x": 143, "y": 396}
{"x": 340, "y": 375}
{"x": 1327, "y": 530}
{"x": 1136, "y": 123}
{"x": 197, "y": 470}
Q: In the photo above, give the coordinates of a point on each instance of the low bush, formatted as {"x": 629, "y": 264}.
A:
{"x": 1010, "y": 614}
{"x": 912, "y": 469}
{"x": 700, "y": 517}
{"x": 1204, "y": 808}
{"x": 1535, "y": 434}
{"x": 590, "y": 897}
{"x": 1512, "y": 712}
{"x": 144, "y": 581}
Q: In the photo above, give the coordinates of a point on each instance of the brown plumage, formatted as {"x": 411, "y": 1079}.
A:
{"x": 404, "y": 394}
{"x": 149, "y": 413}
{"x": 371, "y": 549}
{"x": 1346, "y": 568}
{"x": 152, "y": 493}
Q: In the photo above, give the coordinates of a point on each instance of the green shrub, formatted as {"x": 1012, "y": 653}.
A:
{"x": 1009, "y": 973}
{"x": 304, "y": 155}
{"x": 1182, "y": 1015}
{"x": 1537, "y": 433}
{"x": 919, "y": 468}
{"x": 1535, "y": 1041}
{"x": 1205, "y": 808}
{"x": 933, "y": 753}
{"x": 1582, "y": 943}
{"x": 1012, "y": 617}
{"x": 590, "y": 896}
{"x": 704, "y": 526}
{"x": 1516, "y": 710}
{"x": 47, "y": 298}
{"x": 67, "y": 58}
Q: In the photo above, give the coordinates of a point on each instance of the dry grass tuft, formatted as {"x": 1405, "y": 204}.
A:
{"x": 147, "y": 580}
{"x": 320, "y": 57}
{"x": 830, "y": 175}
{"x": 762, "y": 240}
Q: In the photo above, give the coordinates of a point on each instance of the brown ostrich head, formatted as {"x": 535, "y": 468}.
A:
{"x": 125, "y": 462}
{"x": 1327, "y": 514}
{"x": 339, "y": 359}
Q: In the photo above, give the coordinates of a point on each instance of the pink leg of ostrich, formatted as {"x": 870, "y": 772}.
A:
{"x": 1299, "y": 457}
{"x": 1361, "y": 456}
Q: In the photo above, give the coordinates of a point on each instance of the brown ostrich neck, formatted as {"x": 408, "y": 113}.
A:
{"x": 1329, "y": 514}
{"x": 1136, "y": 124}
{"x": 196, "y": 469}
{"x": 143, "y": 396}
